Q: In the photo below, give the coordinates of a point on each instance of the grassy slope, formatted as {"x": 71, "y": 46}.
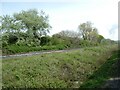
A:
{"x": 108, "y": 70}
{"x": 55, "y": 70}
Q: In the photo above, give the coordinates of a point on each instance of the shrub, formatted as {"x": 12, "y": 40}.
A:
{"x": 12, "y": 39}
{"x": 45, "y": 40}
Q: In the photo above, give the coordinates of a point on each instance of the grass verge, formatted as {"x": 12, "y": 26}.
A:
{"x": 108, "y": 70}
{"x": 54, "y": 70}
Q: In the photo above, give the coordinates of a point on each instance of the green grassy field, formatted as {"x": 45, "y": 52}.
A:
{"x": 55, "y": 70}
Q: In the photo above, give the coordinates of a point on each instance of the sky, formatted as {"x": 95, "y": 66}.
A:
{"x": 68, "y": 14}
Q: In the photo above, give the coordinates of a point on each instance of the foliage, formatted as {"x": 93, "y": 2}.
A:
{"x": 9, "y": 24}
{"x": 67, "y": 38}
{"x": 69, "y": 33}
{"x": 13, "y": 49}
{"x": 54, "y": 70}
{"x": 108, "y": 70}
{"x": 12, "y": 38}
{"x": 30, "y": 29}
{"x": 100, "y": 37}
{"x": 36, "y": 25}
{"x": 24, "y": 28}
{"x": 107, "y": 41}
{"x": 88, "y": 32}
{"x": 45, "y": 40}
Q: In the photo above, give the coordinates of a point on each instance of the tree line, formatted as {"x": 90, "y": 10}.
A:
{"x": 30, "y": 28}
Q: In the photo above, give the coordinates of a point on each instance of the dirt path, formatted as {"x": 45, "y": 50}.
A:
{"x": 36, "y": 53}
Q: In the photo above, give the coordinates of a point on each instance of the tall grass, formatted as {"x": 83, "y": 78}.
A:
{"x": 54, "y": 70}
{"x": 109, "y": 69}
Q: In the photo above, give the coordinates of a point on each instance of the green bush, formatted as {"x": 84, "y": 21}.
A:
{"x": 87, "y": 43}
{"x": 12, "y": 49}
{"x": 12, "y": 39}
{"x": 45, "y": 40}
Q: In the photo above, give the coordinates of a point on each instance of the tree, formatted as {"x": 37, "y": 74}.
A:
{"x": 88, "y": 32}
{"x": 93, "y": 35}
{"x": 9, "y": 24}
{"x": 25, "y": 27}
{"x": 85, "y": 29}
{"x": 36, "y": 24}
{"x": 100, "y": 37}
{"x": 69, "y": 33}
{"x": 68, "y": 38}
{"x": 9, "y": 27}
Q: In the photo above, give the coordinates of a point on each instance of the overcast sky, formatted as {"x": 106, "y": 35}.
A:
{"x": 68, "y": 14}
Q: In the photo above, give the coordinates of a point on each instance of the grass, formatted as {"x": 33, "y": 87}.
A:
{"x": 108, "y": 70}
{"x": 55, "y": 70}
